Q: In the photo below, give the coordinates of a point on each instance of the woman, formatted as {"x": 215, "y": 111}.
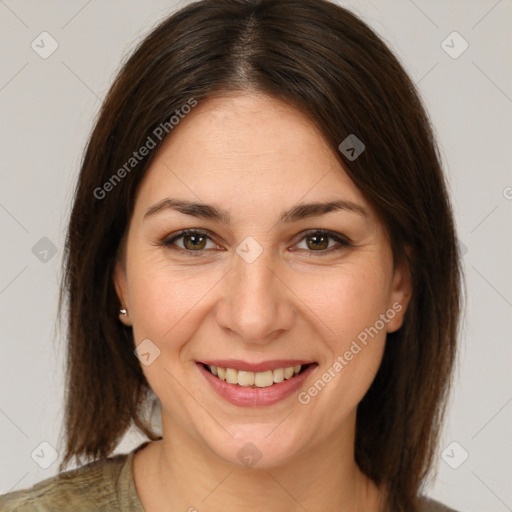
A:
{"x": 261, "y": 235}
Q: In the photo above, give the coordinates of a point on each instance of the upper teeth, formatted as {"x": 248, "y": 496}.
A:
{"x": 258, "y": 379}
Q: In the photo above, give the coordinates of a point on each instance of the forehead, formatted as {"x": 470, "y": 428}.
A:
{"x": 249, "y": 149}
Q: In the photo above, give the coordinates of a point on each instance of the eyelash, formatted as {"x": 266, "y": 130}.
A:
{"x": 342, "y": 241}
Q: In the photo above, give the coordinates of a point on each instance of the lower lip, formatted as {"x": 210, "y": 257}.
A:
{"x": 256, "y": 397}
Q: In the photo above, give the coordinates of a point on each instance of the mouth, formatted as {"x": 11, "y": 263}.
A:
{"x": 255, "y": 385}
{"x": 250, "y": 379}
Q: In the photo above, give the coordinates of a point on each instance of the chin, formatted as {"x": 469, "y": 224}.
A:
{"x": 256, "y": 446}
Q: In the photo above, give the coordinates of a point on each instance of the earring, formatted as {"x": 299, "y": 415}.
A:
{"x": 124, "y": 318}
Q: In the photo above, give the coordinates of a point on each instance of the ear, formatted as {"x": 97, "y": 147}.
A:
{"x": 121, "y": 286}
{"x": 400, "y": 295}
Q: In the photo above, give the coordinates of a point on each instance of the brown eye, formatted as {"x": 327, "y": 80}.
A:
{"x": 190, "y": 241}
{"x": 319, "y": 241}
{"x": 193, "y": 242}
{"x": 315, "y": 242}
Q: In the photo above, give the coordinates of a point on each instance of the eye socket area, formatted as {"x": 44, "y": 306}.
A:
{"x": 195, "y": 242}
{"x": 320, "y": 236}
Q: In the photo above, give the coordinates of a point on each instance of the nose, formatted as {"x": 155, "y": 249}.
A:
{"x": 256, "y": 302}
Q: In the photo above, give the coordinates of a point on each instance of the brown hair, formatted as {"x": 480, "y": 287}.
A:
{"x": 323, "y": 60}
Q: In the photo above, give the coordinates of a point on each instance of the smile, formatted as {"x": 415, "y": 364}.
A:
{"x": 255, "y": 384}
{"x": 255, "y": 379}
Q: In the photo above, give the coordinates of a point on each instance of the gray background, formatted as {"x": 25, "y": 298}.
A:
{"x": 47, "y": 110}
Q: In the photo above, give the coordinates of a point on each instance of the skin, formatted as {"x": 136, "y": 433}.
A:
{"x": 256, "y": 157}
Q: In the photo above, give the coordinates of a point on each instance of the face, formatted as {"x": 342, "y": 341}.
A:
{"x": 289, "y": 302}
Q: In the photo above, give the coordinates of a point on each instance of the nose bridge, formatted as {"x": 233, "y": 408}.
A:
{"x": 256, "y": 304}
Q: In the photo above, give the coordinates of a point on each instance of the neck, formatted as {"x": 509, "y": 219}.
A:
{"x": 179, "y": 473}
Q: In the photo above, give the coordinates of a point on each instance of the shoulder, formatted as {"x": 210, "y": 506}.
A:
{"x": 430, "y": 505}
{"x": 89, "y": 487}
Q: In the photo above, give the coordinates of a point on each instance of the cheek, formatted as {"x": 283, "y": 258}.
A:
{"x": 349, "y": 304}
{"x": 346, "y": 301}
{"x": 167, "y": 301}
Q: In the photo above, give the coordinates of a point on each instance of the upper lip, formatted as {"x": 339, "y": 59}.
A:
{"x": 238, "y": 364}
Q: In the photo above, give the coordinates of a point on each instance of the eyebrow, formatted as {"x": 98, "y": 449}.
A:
{"x": 293, "y": 214}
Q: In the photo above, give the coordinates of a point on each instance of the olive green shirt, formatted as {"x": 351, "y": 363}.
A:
{"x": 102, "y": 486}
